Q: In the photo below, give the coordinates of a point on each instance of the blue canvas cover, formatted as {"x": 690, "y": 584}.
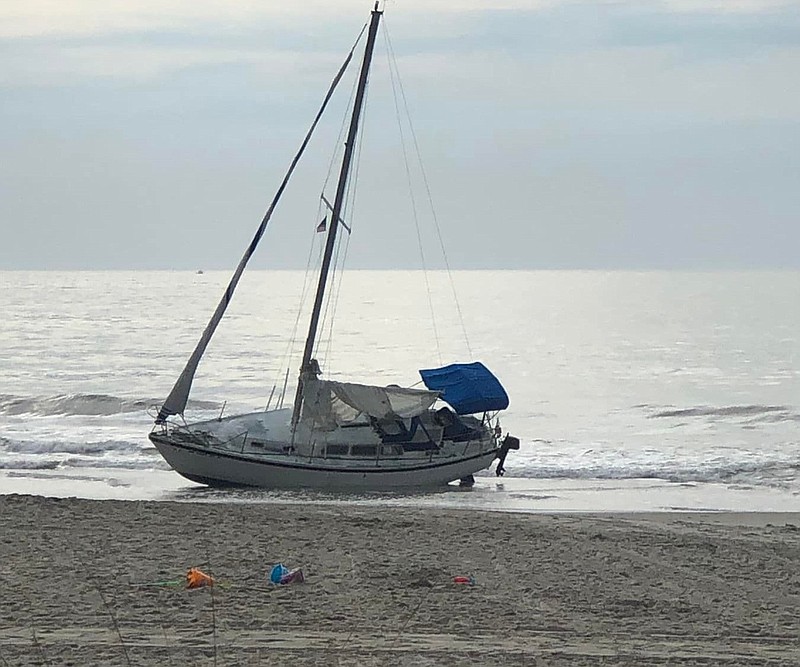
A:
{"x": 468, "y": 388}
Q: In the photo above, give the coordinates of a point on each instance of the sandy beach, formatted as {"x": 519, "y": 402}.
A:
{"x": 87, "y": 583}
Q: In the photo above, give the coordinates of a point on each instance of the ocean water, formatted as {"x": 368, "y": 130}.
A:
{"x": 628, "y": 389}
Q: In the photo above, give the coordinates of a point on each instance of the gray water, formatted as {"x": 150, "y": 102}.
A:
{"x": 693, "y": 378}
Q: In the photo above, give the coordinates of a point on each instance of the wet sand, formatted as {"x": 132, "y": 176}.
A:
{"x": 586, "y": 589}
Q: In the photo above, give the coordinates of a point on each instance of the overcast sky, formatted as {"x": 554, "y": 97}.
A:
{"x": 627, "y": 134}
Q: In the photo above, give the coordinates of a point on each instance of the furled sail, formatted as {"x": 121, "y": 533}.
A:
{"x": 330, "y": 404}
{"x": 176, "y": 401}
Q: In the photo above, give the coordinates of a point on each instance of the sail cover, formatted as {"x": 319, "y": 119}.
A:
{"x": 468, "y": 388}
{"x": 330, "y": 404}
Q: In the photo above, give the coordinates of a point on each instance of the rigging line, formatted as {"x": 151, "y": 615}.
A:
{"x": 307, "y": 284}
{"x": 352, "y": 189}
{"x": 328, "y": 313}
{"x": 335, "y": 281}
{"x": 337, "y": 266}
{"x": 350, "y": 205}
{"x": 329, "y": 295}
{"x": 391, "y": 58}
{"x": 307, "y": 368}
{"x": 340, "y": 278}
{"x": 430, "y": 201}
{"x": 179, "y": 395}
{"x": 288, "y": 349}
{"x": 340, "y": 138}
{"x": 326, "y": 325}
{"x": 337, "y": 149}
{"x": 332, "y": 298}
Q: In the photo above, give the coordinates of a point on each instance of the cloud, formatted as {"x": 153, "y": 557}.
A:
{"x": 89, "y": 17}
{"x": 140, "y": 42}
{"x": 721, "y": 6}
{"x": 610, "y": 120}
{"x": 131, "y": 65}
{"x": 651, "y": 83}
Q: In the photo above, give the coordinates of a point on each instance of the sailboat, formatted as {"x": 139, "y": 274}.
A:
{"x": 340, "y": 435}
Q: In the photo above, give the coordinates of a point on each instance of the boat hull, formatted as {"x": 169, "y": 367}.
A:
{"x": 281, "y": 471}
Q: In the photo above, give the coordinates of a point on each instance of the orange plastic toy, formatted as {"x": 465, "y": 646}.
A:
{"x": 197, "y": 578}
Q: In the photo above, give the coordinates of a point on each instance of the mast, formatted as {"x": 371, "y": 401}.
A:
{"x": 338, "y": 203}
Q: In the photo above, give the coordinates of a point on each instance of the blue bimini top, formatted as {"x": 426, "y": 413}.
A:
{"x": 468, "y": 388}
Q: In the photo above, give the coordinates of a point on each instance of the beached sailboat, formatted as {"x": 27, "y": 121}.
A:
{"x": 340, "y": 434}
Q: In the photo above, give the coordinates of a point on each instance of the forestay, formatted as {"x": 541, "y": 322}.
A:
{"x": 179, "y": 396}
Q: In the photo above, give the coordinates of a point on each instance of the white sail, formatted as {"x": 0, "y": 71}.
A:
{"x": 178, "y": 397}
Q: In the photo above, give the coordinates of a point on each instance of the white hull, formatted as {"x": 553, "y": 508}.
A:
{"x": 338, "y": 434}
{"x": 286, "y": 471}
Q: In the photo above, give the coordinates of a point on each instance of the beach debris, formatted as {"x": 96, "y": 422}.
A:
{"x": 196, "y": 578}
{"x": 460, "y": 579}
{"x": 281, "y": 574}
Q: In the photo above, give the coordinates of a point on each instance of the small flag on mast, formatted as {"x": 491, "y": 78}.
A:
{"x": 322, "y": 226}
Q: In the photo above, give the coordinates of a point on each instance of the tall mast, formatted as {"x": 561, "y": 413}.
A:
{"x": 344, "y": 173}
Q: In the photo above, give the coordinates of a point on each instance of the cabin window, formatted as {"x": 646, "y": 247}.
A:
{"x": 391, "y": 450}
{"x": 336, "y": 450}
{"x": 363, "y": 450}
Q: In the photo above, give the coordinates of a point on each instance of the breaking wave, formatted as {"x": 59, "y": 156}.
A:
{"x": 742, "y": 467}
{"x": 84, "y": 404}
{"x": 53, "y": 454}
{"x": 767, "y": 412}
{"x": 84, "y": 448}
{"x": 13, "y": 464}
{"x": 778, "y": 472}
